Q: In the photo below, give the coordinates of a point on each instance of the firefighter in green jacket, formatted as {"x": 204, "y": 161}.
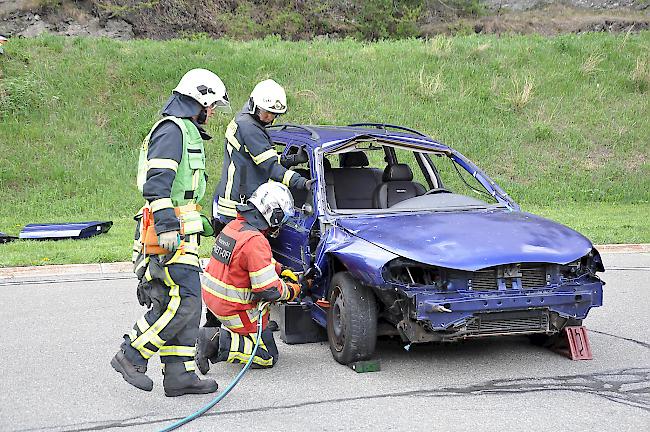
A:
{"x": 171, "y": 177}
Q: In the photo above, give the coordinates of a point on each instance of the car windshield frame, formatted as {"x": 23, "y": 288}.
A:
{"x": 426, "y": 149}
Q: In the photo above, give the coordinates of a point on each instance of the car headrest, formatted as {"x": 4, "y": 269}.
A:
{"x": 397, "y": 172}
{"x": 354, "y": 159}
{"x": 327, "y": 165}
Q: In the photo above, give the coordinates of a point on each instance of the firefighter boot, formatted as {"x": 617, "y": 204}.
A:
{"x": 207, "y": 346}
{"x": 178, "y": 381}
{"x": 132, "y": 373}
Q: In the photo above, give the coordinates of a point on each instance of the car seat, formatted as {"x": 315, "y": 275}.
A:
{"x": 397, "y": 186}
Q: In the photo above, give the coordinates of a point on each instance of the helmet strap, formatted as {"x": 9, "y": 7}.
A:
{"x": 202, "y": 117}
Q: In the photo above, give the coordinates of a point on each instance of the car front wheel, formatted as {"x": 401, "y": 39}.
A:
{"x": 351, "y": 319}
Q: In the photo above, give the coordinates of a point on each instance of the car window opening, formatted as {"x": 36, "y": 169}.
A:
{"x": 376, "y": 176}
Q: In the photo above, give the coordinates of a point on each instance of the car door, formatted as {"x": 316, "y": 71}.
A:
{"x": 291, "y": 246}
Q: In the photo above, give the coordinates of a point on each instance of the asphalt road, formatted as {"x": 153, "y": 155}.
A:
{"x": 60, "y": 333}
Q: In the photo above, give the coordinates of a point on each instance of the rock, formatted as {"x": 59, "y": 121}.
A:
{"x": 35, "y": 29}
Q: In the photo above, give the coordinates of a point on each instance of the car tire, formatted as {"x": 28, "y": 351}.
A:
{"x": 351, "y": 319}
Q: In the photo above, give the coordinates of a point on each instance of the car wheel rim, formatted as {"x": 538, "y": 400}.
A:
{"x": 338, "y": 324}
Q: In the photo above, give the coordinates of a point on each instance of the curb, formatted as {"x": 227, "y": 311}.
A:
{"x": 70, "y": 269}
{"x": 127, "y": 267}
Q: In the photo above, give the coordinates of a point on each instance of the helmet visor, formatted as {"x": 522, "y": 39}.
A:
{"x": 221, "y": 106}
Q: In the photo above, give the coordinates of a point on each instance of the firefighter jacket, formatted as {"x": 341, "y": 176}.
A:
{"x": 171, "y": 173}
{"x": 241, "y": 273}
{"x": 250, "y": 159}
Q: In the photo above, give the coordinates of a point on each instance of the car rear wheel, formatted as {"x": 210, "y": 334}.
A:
{"x": 351, "y": 319}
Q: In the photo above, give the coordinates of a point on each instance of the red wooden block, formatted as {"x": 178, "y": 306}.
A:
{"x": 579, "y": 348}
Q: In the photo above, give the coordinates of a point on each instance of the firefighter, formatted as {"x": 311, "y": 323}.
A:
{"x": 241, "y": 274}
{"x": 171, "y": 177}
{"x": 250, "y": 158}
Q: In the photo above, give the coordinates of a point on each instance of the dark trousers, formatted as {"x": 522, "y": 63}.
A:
{"x": 171, "y": 326}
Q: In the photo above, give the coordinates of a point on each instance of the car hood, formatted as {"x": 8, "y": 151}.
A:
{"x": 470, "y": 240}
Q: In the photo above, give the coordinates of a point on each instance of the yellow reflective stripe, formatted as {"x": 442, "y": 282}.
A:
{"x": 243, "y": 358}
{"x": 191, "y": 248}
{"x": 264, "y": 282}
{"x": 262, "y": 270}
{"x": 262, "y": 362}
{"x": 188, "y": 259}
{"x": 226, "y": 202}
{"x": 142, "y": 263}
{"x": 147, "y": 274}
{"x": 248, "y": 346}
{"x": 195, "y": 180}
{"x": 234, "y": 346}
{"x": 209, "y": 280}
{"x": 231, "y": 321}
{"x": 142, "y": 324}
{"x": 176, "y": 350}
{"x": 229, "y": 182}
{"x": 133, "y": 334}
{"x": 190, "y": 365}
{"x": 286, "y": 291}
{"x": 145, "y": 352}
{"x": 231, "y": 130}
{"x": 161, "y": 203}
{"x": 226, "y": 211}
{"x": 264, "y": 156}
{"x": 165, "y": 318}
{"x": 225, "y": 297}
{"x": 286, "y": 179}
{"x": 170, "y": 164}
{"x": 193, "y": 226}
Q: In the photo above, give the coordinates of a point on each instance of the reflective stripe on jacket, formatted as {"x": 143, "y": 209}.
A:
{"x": 241, "y": 272}
{"x": 171, "y": 173}
{"x": 249, "y": 160}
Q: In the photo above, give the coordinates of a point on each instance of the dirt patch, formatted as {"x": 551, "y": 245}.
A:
{"x": 551, "y": 20}
{"x": 69, "y": 19}
{"x": 165, "y": 19}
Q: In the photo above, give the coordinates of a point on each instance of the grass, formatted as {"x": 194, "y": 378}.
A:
{"x": 561, "y": 123}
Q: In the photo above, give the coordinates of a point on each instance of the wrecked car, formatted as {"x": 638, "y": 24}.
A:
{"x": 404, "y": 236}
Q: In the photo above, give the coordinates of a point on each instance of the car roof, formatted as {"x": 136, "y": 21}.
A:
{"x": 329, "y": 136}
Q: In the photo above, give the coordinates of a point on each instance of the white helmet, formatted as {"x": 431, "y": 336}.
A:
{"x": 274, "y": 201}
{"x": 206, "y": 88}
{"x": 269, "y": 96}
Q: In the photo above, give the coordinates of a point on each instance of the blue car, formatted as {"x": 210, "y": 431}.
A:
{"x": 406, "y": 237}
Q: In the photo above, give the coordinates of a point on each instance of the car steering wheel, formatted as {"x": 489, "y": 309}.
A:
{"x": 437, "y": 190}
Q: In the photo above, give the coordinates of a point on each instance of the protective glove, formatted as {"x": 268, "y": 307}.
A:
{"x": 143, "y": 292}
{"x": 298, "y": 158}
{"x": 169, "y": 240}
{"x": 289, "y": 275}
{"x": 295, "y": 290}
{"x": 304, "y": 184}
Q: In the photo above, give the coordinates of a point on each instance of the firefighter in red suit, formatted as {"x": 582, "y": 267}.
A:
{"x": 241, "y": 274}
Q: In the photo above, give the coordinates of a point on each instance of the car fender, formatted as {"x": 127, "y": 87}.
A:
{"x": 361, "y": 258}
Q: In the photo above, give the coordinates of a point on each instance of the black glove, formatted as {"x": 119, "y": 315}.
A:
{"x": 144, "y": 293}
{"x": 298, "y": 158}
{"x": 305, "y": 184}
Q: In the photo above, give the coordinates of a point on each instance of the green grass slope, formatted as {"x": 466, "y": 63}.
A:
{"x": 561, "y": 123}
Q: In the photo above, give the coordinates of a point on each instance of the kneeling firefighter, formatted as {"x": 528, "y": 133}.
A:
{"x": 171, "y": 177}
{"x": 241, "y": 273}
